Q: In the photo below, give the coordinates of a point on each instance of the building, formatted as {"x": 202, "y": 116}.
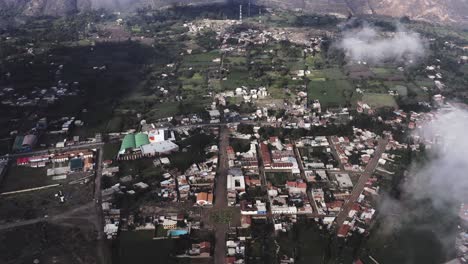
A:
{"x": 132, "y": 142}
{"x": 141, "y": 139}
{"x": 344, "y": 230}
{"x": 158, "y": 135}
{"x": 204, "y": 199}
{"x": 24, "y": 143}
{"x": 266, "y": 156}
{"x": 236, "y": 183}
{"x": 203, "y": 249}
{"x": 29, "y": 142}
{"x": 158, "y": 148}
{"x": 463, "y": 213}
{"x": 169, "y": 224}
{"x": 3, "y": 168}
{"x": 296, "y": 187}
{"x": 76, "y": 164}
{"x": 344, "y": 181}
{"x": 214, "y": 114}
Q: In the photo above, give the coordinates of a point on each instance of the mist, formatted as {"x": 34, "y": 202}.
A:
{"x": 434, "y": 189}
{"x": 367, "y": 44}
{"x": 445, "y": 177}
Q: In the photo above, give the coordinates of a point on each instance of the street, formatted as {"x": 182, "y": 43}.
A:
{"x": 359, "y": 187}
{"x": 301, "y": 168}
{"x": 220, "y": 201}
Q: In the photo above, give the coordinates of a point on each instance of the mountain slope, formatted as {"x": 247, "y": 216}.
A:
{"x": 429, "y": 10}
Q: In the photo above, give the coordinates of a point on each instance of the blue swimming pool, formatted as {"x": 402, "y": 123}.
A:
{"x": 176, "y": 233}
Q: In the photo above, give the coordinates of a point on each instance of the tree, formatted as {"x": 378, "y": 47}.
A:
{"x": 245, "y": 129}
{"x": 207, "y": 40}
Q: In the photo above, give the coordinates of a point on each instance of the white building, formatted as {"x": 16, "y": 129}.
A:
{"x": 162, "y": 147}
{"x": 236, "y": 183}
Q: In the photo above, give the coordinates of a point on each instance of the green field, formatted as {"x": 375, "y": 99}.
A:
{"x": 238, "y": 77}
{"x": 139, "y": 247}
{"x": 332, "y": 93}
{"x": 279, "y": 178}
{"x": 202, "y": 60}
{"x": 379, "y": 100}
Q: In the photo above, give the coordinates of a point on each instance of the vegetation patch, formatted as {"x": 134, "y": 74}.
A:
{"x": 379, "y": 100}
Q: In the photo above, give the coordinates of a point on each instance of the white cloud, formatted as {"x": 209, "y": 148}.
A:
{"x": 367, "y": 44}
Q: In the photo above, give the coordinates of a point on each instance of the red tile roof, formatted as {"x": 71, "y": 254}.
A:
{"x": 230, "y": 260}
{"x": 265, "y": 154}
{"x": 343, "y": 231}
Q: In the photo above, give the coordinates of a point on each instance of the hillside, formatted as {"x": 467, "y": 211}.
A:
{"x": 429, "y": 10}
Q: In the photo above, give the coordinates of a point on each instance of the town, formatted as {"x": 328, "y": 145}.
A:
{"x": 243, "y": 136}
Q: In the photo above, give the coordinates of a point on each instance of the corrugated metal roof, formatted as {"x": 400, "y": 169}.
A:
{"x": 29, "y": 140}
{"x": 76, "y": 164}
{"x": 18, "y": 142}
{"x": 141, "y": 139}
{"x": 128, "y": 142}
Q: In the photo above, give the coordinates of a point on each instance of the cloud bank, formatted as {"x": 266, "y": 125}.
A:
{"x": 445, "y": 178}
{"x": 433, "y": 191}
{"x": 369, "y": 45}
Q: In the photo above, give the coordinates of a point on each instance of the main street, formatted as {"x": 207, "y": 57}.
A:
{"x": 221, "y": 196}
{"x": 359, "y": 187}
{"x": 102, "y": 248}
{"x": 92, "y": 145}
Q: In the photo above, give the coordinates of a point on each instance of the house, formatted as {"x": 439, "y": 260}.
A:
{"x": 344, "y": 230}
{"x": 76, "y": 164}
{"x": 29, "y": 142}
{"x": 202, "y": 249}
{"x": 344, "y": 181}
{"x": 214, "y": 114}
{"x": 296, "y": 186}
{"x": 169, "y": 224}
{"x": 231, "y": 153}
{"x": 204, "y": 199}
{"x": 246, "y": 221}
{"x": 266, "y": 156}
{"x": 236, "y": 183}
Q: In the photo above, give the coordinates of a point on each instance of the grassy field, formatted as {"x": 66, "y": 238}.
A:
{"x": 332, "y": 93}
{"x": 19, "y": 177}
{"x": 139, "y": 247}
{"x": 48, "y": 243}
{"x": 110, "y": 150}
{"x": 201, "y": 60}
{"x": 238, "y": 77}
{"x": 279, "y": 178}
{"x": 379, "y": 100}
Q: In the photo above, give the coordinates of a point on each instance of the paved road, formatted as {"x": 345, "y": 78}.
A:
{"x": 301, "y": 168}
{"x": 359, "y": 187}
{"x": 263, "y": 179}
{"x": 221, "y": 195}
{"x": 53, "y": 150}
{"x": 103, "y": 252}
